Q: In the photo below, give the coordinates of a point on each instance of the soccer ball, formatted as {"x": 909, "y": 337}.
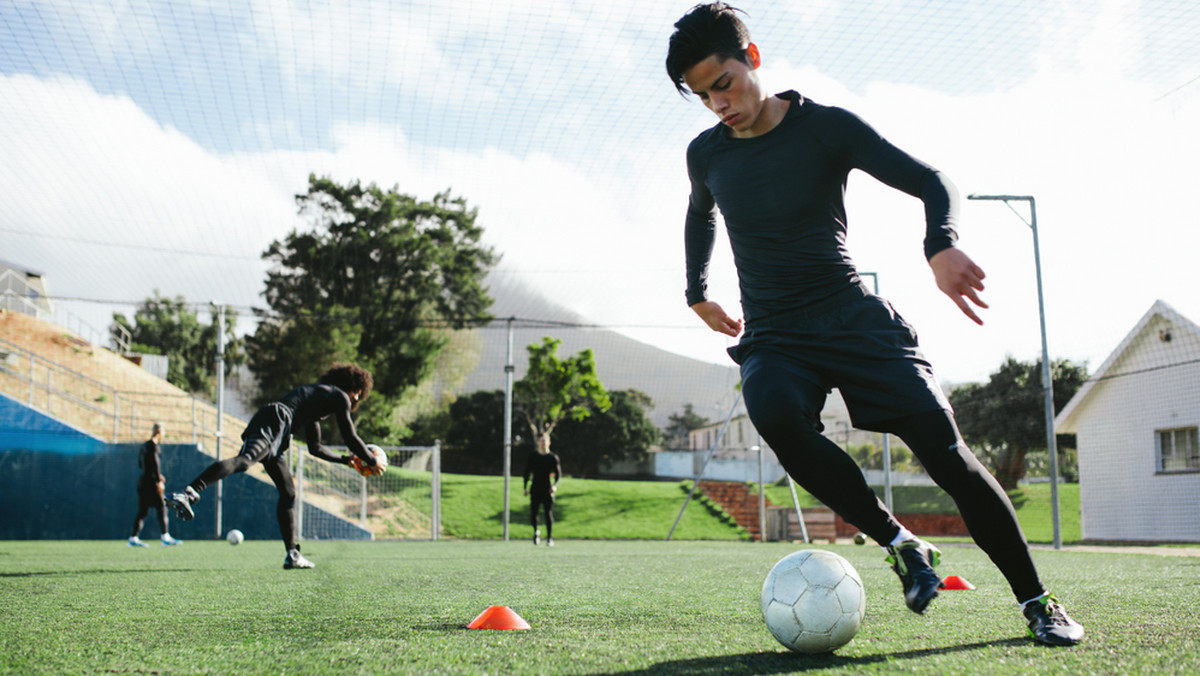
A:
{"x": 234, "y": 537}
{"x": 813, "y": 601}
{"x": 380, "y": 458}
{"x": 860, "y": 538}
{"x": 381, "y": 462}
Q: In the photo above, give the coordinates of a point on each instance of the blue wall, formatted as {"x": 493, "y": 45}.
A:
{"x": 58, "y": 483}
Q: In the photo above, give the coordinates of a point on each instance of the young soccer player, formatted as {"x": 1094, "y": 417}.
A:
{"x": 338, "y": 392}
{"x": 150, "y": 490}
{"x": 541, "y": 466}
{"x": 776, "y": 167}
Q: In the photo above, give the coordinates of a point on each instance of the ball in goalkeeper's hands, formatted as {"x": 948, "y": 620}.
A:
{"x": 380, "y": 466}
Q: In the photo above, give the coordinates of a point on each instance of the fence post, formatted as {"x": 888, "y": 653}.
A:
{"x": 362, "y": 512}
{"x": 31, "y": 380}
{"x": 436, "y": 489}
{"x": 299, "y": 492}
{"x": 116, "y": 413}
{"x": 49, "y": 390}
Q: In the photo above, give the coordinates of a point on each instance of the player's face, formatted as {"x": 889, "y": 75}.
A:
{"x": 730, "y": 88}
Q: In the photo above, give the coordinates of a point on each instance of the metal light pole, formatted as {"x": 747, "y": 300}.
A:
{"x": 1047, "y": 382}
{"x": 219, "y": 310}
{"x": 887, "y": 438}
{"x": 508, "y": 409}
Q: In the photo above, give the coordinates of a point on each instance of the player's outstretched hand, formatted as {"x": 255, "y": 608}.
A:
{"x": 717, "y": 319}
{"x": 960, "y": 278}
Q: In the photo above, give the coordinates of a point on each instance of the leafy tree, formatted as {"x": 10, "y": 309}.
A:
{"x": 1004, "y": 419}
{"x": 870, "y": 456}
{"x": 556, "y": 389}
{"x": 472, "y": 433}
{"x": 166, "y": 326}
{"x": 285, "y": 353}
{"x": 395, "y": 268}
{"x": 623, "y": 432}
{"x": 679, "y": 425}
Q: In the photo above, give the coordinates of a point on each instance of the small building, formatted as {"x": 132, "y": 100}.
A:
{"x": 1136, "y": 421}
{"x": 23, "y": 290}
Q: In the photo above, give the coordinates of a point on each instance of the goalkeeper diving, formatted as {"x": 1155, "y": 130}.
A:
{"x": 338, "y": 392}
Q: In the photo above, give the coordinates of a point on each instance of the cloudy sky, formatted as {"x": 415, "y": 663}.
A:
{"x": 155, "y": 145}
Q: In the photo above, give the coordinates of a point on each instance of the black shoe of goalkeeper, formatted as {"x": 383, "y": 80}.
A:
{"x": 181, "y": 504}
{"x": 914, "y": 561}
{"x": 1050, "y": 624}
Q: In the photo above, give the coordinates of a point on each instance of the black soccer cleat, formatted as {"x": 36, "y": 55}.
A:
{"x": 182, "y": 504}
{"x": 914, "y": 561}
{"x": 1050, "y": 624}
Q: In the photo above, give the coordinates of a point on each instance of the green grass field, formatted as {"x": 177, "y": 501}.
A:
{"x": 472, "y": 508}
{"x": 644, "y": 510}
{"x": 596, "y": 607}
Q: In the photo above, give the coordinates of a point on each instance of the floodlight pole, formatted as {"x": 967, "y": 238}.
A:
{"x": 1047, "y": 382}
{"x": 887, "y": 438}
{"x": 508, "y": 412}
{"x": 219, "y": 310}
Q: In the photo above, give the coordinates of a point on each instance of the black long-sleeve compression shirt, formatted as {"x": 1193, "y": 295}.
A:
{"x": 781, "y": 197}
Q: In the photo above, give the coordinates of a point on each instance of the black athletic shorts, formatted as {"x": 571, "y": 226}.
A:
{"x": 856, "y": 342}
{"x": 269, "y": 433}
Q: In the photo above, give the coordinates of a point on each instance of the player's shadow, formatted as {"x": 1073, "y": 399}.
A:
{"x": 787, "y": 662}
{"x": 101, "y": 571}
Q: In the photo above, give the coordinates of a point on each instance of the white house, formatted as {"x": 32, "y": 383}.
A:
{"x": 736, "y": 456}
{"x": 1136, "y": 422}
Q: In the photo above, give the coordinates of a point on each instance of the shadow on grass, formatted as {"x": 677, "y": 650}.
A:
{"x": 102, "y": 571}
{"x": 787, "y": 662}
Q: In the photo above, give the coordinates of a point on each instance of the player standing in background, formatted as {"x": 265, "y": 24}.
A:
{"x": 541, "y": 466}
{"x": 268, "y": 435}
{"x": 150, "y": 487}
{"x": 776, "y": 167}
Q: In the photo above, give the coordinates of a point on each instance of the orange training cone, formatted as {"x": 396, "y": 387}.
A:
{"x": 498, "y": 617}
{"x": 955, "y": 582}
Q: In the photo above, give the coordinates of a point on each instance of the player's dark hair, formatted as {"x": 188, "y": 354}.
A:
{"x": 706, "y": 30}
{"x": 348, "y": 378}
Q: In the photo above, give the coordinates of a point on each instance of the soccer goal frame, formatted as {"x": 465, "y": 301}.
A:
{"x": 404, "y": 503}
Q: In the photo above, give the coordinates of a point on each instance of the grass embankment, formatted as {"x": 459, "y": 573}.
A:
{"x": 472, "y": 508}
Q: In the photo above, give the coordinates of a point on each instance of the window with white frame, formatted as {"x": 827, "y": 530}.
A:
{"x": 1179, "y": 450}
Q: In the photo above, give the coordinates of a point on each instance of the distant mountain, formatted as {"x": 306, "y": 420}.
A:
{"x": 622, "y": 363}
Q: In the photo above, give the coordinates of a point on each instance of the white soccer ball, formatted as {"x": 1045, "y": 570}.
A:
{"x": 380, "y": 457}
{"x": 234, "y": 537}
{"x": 813, "y": 601}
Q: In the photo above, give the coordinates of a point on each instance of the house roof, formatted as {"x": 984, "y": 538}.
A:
{"x": 1067, "y": 419}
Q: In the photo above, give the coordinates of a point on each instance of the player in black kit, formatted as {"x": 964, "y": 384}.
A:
{"x": 150, "y": 490}
{"x": 541, "y": 466}
{"x": 338, "y": 392}
{"x": 776, "y": 167}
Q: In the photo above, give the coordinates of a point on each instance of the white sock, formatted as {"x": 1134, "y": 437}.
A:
{"x": 904, "y": 534}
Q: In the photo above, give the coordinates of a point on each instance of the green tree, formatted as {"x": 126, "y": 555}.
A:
{"x": 623, "y": 432}
{"x": 1004, "y": 419}
{"x": 471, "y": 429}
{"x": 555, "y": 389}
{"x": 396, "y": 268}
{"x": 166, "y": 326}
{"x": 285, "y": 353}
{"x": 675, "y": 436}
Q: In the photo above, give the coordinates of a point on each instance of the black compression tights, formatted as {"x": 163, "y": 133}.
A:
{"x": 831, "y": 476}
{"x": 548, "y": 506}
{"x": 281, "y": 475}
